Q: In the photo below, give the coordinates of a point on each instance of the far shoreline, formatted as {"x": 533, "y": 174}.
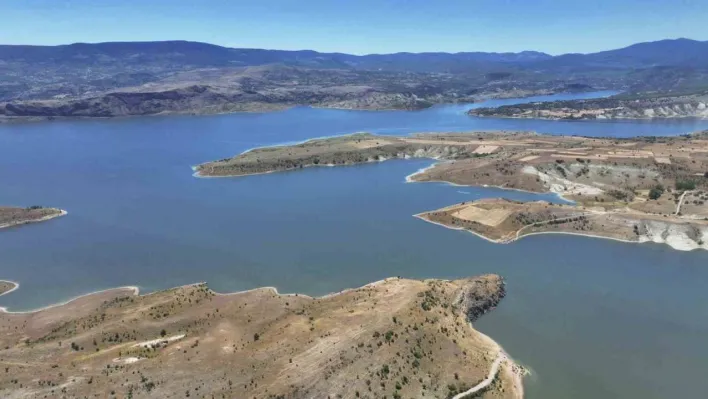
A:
{"x": 20, "y": 120}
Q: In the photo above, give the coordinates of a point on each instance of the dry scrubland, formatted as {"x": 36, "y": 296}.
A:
{"x": 396, "y": 338}
{"x": 639, "y": 189}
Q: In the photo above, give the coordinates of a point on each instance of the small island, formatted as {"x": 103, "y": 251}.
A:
{"x": 639, "y": 189}
{"x": 14, "y": 216}
{"x": 394, "y": 338}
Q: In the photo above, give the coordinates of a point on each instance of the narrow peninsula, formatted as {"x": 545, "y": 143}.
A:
{"x": 622, "y": 106}
{"x": 639, "y": 189}
{"x": 7, "y": 287}
{"x": 14, "y": 216}
{"x": 393, "y": 338}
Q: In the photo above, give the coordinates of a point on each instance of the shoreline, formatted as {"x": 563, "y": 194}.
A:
{"x": 134, "y": 288}
{"x": 43, "y": 219}
{"x": 656, "y": 118}
{"x": 280, "y": 107}
{"x": 136, "y": 292}
{"x": 507, "y": 364}
{"x": 409, "y": 179}
{"x": 517, "y": 238}
{"x": 284, "y": 144}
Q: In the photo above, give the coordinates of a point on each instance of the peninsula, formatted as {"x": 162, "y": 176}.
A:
{"x": 644, "y": 106}
{"x": 639, "y": 189}
{"x": 7, "y": 286}
{"x": 14, "y": 216}
{"x": 395, "y": 338}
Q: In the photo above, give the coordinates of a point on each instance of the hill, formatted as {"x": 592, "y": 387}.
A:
{"x": 91, "y": 80}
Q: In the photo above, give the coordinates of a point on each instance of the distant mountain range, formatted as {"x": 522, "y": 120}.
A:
{"x": 179, "y": 54}
{"x": 143, "y": 78}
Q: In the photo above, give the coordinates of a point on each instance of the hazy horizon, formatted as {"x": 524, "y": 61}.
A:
{"x": 341, "y": 52}
{"x": 366, "y": 27}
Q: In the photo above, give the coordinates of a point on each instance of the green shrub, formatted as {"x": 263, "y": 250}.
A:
{"x": 656, "y": 192}
{"x": 683, "y": 185}
{"x": 618, "y": 194}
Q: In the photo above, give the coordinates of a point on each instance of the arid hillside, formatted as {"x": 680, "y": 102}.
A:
{"x": 395, "y": 338}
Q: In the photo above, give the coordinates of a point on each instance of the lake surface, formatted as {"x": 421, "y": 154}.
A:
{"x": 592, "y": 318}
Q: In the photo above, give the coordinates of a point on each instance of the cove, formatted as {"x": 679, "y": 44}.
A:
{"x": 591, "y": 318}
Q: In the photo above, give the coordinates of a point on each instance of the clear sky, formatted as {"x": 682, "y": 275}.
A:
{"x": 360, "y": 26}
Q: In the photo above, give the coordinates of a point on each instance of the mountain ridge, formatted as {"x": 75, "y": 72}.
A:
{"x": 647, "y": 54}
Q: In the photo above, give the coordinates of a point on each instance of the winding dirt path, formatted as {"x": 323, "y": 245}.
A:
{"x": 490, "y": 377}
{"x": 678, "y": 207}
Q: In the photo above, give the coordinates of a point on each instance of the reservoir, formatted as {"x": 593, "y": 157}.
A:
{"x": 591, "y": 318}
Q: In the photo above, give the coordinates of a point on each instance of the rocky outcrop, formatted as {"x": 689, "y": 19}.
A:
{"x": 480, "y": 295}
{"x": 683, "y": 237}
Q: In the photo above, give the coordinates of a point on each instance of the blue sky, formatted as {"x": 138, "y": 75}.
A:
{"x": 360, "y": 26}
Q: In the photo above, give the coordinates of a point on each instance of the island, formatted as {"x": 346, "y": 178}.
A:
{"x": 638, "y": 189}
{"x": 395, "y": 338}
{"x": 636, "y": 106}
{"x": 15, "y": 216}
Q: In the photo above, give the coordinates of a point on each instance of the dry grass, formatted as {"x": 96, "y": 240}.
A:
{"x": 397, "y": 337}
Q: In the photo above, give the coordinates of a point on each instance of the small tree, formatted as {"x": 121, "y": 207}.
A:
{"x": 656, "y": 192}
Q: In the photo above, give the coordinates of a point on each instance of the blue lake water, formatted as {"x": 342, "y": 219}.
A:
{"x": 592, "y": 318}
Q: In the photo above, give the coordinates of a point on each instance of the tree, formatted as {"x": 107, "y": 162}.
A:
{"x": 656, "y": 192}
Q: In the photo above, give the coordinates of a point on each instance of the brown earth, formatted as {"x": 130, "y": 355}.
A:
{"x": 504, "y": 221}
{"x": 394, "y": 338}
{"x": 13, "y": 216}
